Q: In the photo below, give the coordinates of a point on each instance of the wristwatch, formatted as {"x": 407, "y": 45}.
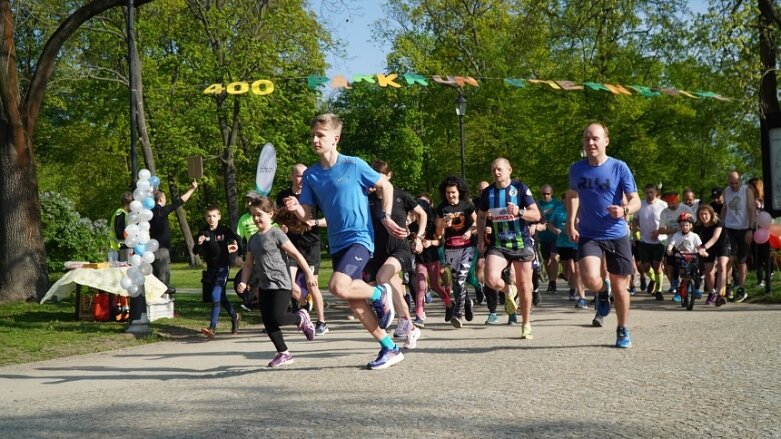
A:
{"x": 626, "y": 211}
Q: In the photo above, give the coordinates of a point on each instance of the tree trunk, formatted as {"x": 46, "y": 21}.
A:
{"x": 23, "y": 257}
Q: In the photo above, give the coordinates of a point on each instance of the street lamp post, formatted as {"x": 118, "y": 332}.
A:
{"x": 461, "y": 111}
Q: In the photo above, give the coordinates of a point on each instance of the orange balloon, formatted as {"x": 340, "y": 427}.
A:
{"x": 775, "y": 241}
{"x": 775, "y": 229}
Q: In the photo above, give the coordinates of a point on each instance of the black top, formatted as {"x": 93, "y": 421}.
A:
{"x": 158, "y": 225}
{"x": 430, "y": 254}
{"x": 215, "y": 249}
{"x": 462, "y": 221}
{"x": 384, "y": 244}
{"x": 308, "y": 243}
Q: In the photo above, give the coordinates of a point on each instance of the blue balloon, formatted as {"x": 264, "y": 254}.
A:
{"x": 149, "y": 202}
{"x": 139, "y": 249}
{"x": 154, "y": 181}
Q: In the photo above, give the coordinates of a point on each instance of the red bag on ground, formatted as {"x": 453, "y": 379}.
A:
{"x": 101, "y": 307}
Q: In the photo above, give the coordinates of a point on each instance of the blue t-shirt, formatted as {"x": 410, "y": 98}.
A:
{"x": 599, "y": 187}
{"x": 508, "y": 231}
{"x": 546, "y": 210}
{"x": 558, "y": 218}
{"x": 341, "y": 193}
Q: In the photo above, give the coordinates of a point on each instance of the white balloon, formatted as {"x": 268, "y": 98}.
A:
{"x": 142, "y": 185}
{"x": 135, "y": 260}
{"x": 152, "y": 245}
{"x": 764, "y": 220}
{"x": 143, "y": 237}
{"x": 146, "y": 268}
{"x": 132, "y": 271}
{"x": 143, "y": 226}
{"x": 136, "y": 206}
{"x": 138, "y": 278}
{"x": 139, "y": 195}
{"x": 131, "y": 241}
{"x": 133, "y": 290}
{"x": 133, "y": 217}
{"x": 146, "y": 215}
{"x": 148, "y": 256}
{"x": 131, "y": 229}
{"x": 144, "y": 174}
{"x": 125, "y": 283}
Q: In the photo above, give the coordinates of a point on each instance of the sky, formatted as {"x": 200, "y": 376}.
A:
{"x": 353, "y": 27}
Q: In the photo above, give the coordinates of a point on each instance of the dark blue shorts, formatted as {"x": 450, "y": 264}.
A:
{"x": 617, "y": 253}
{"x": 351, "y": 261}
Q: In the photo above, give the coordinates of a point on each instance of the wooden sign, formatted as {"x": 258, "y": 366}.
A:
{"x": 195, "y": 167}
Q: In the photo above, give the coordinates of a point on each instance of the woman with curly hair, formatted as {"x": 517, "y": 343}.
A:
{"x": 456, "y": 225}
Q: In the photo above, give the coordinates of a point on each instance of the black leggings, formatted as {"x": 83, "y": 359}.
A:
{"x": 273, "y": 311}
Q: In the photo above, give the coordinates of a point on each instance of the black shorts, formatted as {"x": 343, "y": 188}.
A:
{"x": 401, "y": 254}
{"x": 647, "y": 253}
{"x": 546, "y": 248}
{"x": 737, "y": 243}
{"x": 567, "y": 253}
{"x": 716, "y": 252}
{"x": 617, "y": 253}
{"x": 525, "y": 254}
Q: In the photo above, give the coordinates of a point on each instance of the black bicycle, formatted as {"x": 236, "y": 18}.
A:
{"x": 688, "y": 271}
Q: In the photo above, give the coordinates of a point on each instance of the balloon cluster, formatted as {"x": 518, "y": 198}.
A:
{"x": 767, "y": 231}
{"x": 137, "y": 233}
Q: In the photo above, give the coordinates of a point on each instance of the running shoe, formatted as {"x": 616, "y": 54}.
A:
{"x": 383, "y": 307}
{"x": 572, "y": 296}
{"x": 761, "y": 285}
{"x": 632, "y": 290}
{"x": 676, "y": 297}
{"x": 412, "y": 338}
{"x": 623, "y": 339}
{"x": 697, "y": 294}
{"x": 306, "y": 326}
{"x": 526, "y": 332}
{"x": 720, "y": 300}
{"x": 659, "y": 295}
{"x": 492, "y": 319}
{"x": 551, "y": 288}
{"x": 428, "y": 297}
{"x": 235, "y": 324}
{"x": 479, "y": 294}
{"x": 456, "y": 321}
{"x": 509, "y": 299}
{"x": 651, "y": 287}
{"x": 449, "y": 312}
{"x": 597, "y": 321}
{"x": 536, "y": 297}
{"x": 711, "y": 298}
{"x": 402, "y": 328}
{"x": 321, "y": 328}
{"x": 741, "y": 295}
{"x": 419, "y": 322}
{"x": 208, "y": 332}
{"x": 245, "y": 308}
{"x": 582, "y": 303}
{"x": 512, "y": 319}
{"x": 643, "y": 284}
{"x": 603, "y": 303}
{"x": 281, "y": 359}
{"x": 468, "y": 314}
{"x": 386, "y": 358}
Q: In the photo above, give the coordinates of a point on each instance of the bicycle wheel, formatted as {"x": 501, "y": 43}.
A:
{"x": 542, "y": 270}
{"x": 690, "y": 297}
{"x": 683, "y": 292}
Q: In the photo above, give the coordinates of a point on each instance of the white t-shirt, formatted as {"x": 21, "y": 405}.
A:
{"x": 687, "y": 243}
{"x": 669, "y": 218}
{"x": 648, "y": 220}
{"x": 737, "y": 211}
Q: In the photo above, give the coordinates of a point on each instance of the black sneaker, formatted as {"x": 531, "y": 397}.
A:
{"x": 650, "y": 288}
{"x": 551, "y": 288}
{"x": 449, "y": 312}
{"x": 536, "y": 297}
{"x": 235, "y": 324}
{"x": 479, "y": 295}
{"x": 741, "y": 295}
{"x": 597, "y": 321}
{"x": 468, "y": 315}
{"x": 659, "y": 295}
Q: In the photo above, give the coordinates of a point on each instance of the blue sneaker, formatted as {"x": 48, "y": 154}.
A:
{"x": 623, "y": 339}
{"x": 386, "y": 358}
{"x": 581, "y": 304}
{"x": 603, "y": 304}
{"x": 677, "y": 297}
{"x": 383, "y": 307}
{"x": 697, "y": 294}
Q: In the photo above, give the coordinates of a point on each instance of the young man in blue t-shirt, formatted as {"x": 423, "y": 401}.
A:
{"x": 338, "y": 185}
{"x": 602, "y": 195}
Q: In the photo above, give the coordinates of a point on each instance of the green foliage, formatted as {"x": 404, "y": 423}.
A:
{"x": 67, "y": 235}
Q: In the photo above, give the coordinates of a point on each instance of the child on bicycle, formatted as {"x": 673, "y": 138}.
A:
{"x": 685, "y": 241}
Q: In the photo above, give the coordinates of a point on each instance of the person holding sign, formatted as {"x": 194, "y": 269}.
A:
{"x": 338, "y": 185}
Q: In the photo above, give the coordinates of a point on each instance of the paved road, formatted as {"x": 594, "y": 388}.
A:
{"x": 706, "y": 373}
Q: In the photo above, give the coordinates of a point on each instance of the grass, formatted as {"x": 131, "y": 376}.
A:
{"x": 33, "y": 332}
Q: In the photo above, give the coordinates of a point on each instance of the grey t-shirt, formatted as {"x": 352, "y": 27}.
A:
{"x": 270, "y": 264}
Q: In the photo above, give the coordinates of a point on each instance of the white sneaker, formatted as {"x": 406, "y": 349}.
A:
{"x": 412, "y": 338}
{"x": 403, "y": 328}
